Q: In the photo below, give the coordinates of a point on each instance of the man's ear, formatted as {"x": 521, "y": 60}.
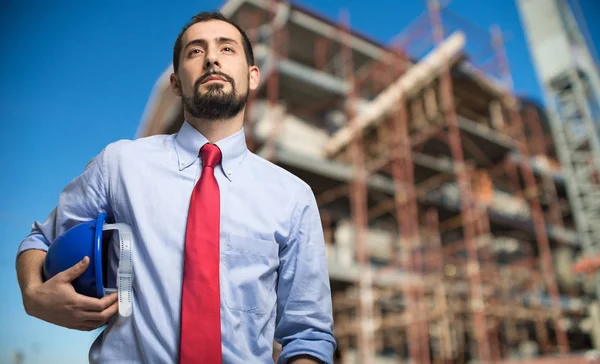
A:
{"x": 175, "y": 85}
{"x": 254, "y": 77}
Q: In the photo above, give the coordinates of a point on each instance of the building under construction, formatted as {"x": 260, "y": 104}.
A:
{"x": 450, "y": 237}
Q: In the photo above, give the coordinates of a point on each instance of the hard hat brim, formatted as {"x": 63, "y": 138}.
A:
{"x": 98, "y": 254}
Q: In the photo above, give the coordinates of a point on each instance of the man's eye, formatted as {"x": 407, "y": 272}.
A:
{"x": 228, "y": 49}
{"x": 195, "y": 51}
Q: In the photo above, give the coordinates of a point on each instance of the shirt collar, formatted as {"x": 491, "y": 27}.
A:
{"x": 188, "y": 142}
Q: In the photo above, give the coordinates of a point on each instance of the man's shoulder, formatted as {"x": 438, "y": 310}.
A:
{"x": 280, "y": 175}
{"x": 139, "y": 147}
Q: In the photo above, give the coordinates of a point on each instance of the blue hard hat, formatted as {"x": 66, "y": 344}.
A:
{"x": 84, "y": 239}
{"x": 91, "y": 239}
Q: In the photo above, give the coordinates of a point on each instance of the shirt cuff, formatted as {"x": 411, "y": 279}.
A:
{"x": 322, "y": 350}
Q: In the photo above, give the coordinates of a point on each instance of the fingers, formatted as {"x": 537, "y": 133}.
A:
{"x": 100, "y": 317}
{"x": 75, "y": 271}
{"x": 88, "y": 325}
{"x": 102, "y": 310}
{"x": 86, "y": 303}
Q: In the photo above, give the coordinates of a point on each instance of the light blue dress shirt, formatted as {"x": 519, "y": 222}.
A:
{"x": 274, "y": 277}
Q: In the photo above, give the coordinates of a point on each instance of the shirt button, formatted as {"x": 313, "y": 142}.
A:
{"x": 229, "y": 172}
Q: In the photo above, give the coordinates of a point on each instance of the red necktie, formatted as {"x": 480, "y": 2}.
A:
{"x": 200, "y": 301}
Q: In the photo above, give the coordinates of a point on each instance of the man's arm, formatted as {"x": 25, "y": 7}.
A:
{"x": 304, "y": 325}
{"x": 56, "y": 301}
{"x": 29, "y": 266}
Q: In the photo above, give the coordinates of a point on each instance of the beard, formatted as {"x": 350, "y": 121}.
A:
{"x": 215, "y": 103}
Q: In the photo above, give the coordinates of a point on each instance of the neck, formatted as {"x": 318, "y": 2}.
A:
{"x": 215, "y": 130}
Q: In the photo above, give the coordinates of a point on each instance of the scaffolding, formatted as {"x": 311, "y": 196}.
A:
{"x": 571, "y": 86}
{"x": 443, "y": 208}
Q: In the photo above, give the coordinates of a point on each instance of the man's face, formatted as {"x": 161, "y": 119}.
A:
{"x": 214, "y": 77}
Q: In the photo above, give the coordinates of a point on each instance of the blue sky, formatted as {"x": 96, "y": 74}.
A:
{"x": 76, "y": 76}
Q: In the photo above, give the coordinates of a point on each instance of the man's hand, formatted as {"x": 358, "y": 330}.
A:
{"x": 57, "y": 302}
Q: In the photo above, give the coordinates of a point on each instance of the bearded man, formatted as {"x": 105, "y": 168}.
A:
{"x": 228, "y": 252}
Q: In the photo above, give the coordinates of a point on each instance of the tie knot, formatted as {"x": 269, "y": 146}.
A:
{"x": 211, "y": 155}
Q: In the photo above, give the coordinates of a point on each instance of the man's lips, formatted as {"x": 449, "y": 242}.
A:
{"x": 214, "y": 78}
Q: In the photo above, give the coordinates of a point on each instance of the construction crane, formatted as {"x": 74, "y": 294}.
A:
{"x": 571, "y": 87}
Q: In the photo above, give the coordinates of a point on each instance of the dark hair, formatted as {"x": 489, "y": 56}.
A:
{"x": 206, "y": 16}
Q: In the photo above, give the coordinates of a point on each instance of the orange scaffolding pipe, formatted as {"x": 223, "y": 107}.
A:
{"x": 466, "y": 200}
{"x": 358, "y": 194}
{"x": 273, "y": 86}
{"x": 432, "y": 224}
{"x": 531, "y": 193}
{"x": 407, "y": 218}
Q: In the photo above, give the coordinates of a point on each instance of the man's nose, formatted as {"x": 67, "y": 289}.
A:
{"x": 211, "y": 61}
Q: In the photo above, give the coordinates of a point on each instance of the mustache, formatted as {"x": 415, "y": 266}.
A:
{"x": 203, "y": 78}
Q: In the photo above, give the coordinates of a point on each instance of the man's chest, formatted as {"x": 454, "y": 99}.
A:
{"x": 157, "y": 200}
{"x": 255, "y": 219}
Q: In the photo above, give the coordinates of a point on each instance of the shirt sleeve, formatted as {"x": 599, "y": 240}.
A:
{"x": 304, "y": 312}
{"x": 81, "y": 200}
